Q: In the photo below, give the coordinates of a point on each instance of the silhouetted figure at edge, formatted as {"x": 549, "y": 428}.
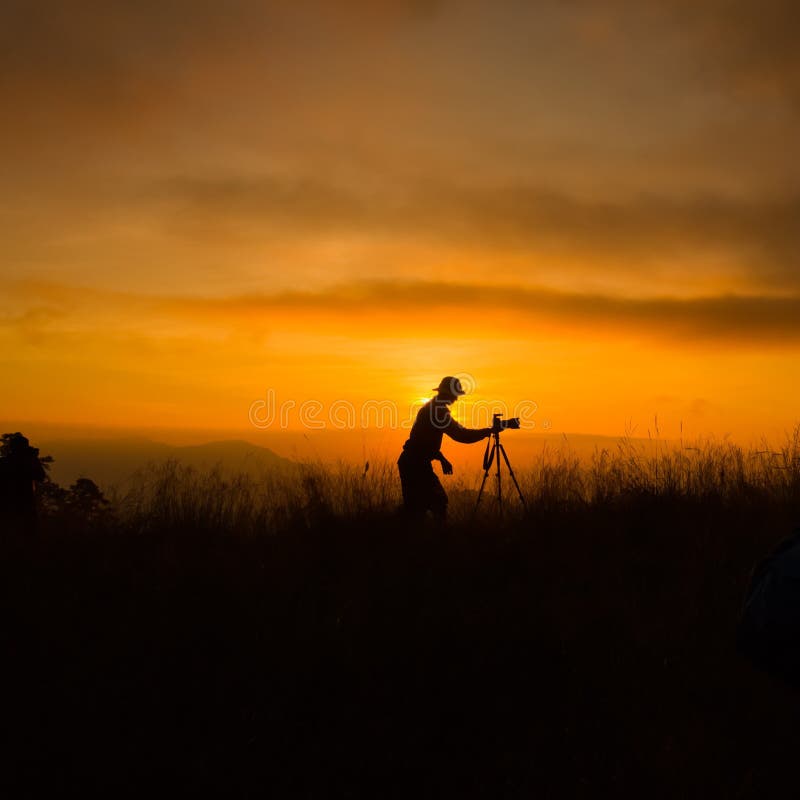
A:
{"x": 422, "y": 490}
{"x": 20, "y": 471}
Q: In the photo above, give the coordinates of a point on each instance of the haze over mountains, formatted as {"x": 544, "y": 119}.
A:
{"x": 114, "y": 462}
{"x": 112, "y": 458}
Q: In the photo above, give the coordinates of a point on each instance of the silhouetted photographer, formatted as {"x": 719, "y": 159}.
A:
{"x": 422, "y": 490}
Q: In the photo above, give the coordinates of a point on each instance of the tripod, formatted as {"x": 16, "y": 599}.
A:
{"x": 492, "y": 456}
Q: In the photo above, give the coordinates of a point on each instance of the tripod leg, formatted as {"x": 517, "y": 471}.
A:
{"x": 513, "y": 476}
{"x": 499, "y": 448}
{"x": 487, "y": 466}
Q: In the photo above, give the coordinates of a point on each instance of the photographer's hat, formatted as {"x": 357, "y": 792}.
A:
{"x": 450, "y": 386}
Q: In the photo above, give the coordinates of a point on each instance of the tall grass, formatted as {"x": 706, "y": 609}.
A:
{"x": 588, "y": 650}
{"x": 180, "y": 498}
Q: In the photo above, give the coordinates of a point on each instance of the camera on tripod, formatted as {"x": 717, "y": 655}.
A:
{"x": 494, "y": 454}
{"x": 500, "y": 424}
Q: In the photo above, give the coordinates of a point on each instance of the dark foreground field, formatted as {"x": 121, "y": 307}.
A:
{"x": 291, "y": 638}
{"x": 586, "y": 649}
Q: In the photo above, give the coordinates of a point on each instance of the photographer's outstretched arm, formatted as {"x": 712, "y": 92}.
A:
{"x": 464, "y": 435}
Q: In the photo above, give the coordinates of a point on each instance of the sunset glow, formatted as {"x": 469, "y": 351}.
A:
{"x": 592, "y": 207}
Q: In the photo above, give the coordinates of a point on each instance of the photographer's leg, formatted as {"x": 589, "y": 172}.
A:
{"x": 438, "y": 501}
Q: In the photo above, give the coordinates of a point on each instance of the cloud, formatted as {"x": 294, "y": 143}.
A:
{"x": 183, "y": 227}
{"x": 368, "y": 307}
{"x": 97, "y": 49}
{"x": 757, "y": 237}
{"x": 753, "y": 45}
{"x": 162, "y": 137}
{"x": 739, "y": 319}
{"x": 109, "y": 74}
{"x": 741, "y": 46}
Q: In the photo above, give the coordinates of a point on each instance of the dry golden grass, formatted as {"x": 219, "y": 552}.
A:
{"x": 180, "y": 498}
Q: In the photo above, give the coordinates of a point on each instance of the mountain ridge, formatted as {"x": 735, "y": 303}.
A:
{"x": 114, "y": 462}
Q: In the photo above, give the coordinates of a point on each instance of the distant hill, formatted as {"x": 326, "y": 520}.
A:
{"x": 111, "y": 457}
{"x": 112, "y": 462}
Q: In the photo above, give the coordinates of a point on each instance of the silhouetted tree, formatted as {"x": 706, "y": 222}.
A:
{"x": 52, "y": 499}
{"x": 86, "y": 502}
{"x": 21, "y": 472}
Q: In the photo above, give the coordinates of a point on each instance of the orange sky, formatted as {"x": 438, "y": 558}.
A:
{"x": 590, "y": 206}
